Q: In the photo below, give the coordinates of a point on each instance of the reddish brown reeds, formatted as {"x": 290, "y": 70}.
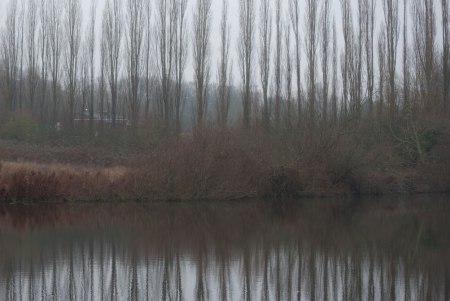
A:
{"x": 25, "y": 181}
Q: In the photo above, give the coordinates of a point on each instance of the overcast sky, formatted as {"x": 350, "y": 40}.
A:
{"x": 233, "y": 19}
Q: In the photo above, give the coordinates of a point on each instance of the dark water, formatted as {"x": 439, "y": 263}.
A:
{"x": 358, "y": 249}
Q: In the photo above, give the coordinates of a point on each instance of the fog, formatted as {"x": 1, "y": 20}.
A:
{"x": 234, "y": 26}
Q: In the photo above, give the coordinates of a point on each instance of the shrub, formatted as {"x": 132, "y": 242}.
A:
{"x": 19, "y": 126}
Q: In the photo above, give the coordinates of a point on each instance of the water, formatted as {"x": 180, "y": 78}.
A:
{"x": 345, "y": 249}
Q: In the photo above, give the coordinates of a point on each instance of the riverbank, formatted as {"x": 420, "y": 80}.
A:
{"x": 214, "y": 165}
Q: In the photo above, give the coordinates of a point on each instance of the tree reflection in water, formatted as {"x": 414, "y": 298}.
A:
{"x": 364, "y": 249}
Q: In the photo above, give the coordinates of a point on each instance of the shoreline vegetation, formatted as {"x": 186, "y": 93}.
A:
{"x": 215, "y": 164}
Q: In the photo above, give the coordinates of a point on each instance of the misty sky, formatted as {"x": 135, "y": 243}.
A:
{"x": 233, "y": 19}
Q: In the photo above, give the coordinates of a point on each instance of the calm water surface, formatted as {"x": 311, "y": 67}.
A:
{"x": 347, "y": 249}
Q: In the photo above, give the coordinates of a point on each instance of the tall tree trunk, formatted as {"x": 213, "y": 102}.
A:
{"x": 224, "y": 73}
{"x": 311, "y": 47}
{"x": 181, "y": 50}
{"x": 112, "y": 33}
{"x": 390, "y": 9}
{"x": 325, "y": 57}
{"x": 32, "y": 52}
{"x": 72, "y": 31}
{"x": 278, "y": 65}
{"x": 135, "y": 32}
{"x": 294, "y": 10}
{"x": 245, "y": 54}
{"x": 202, "y": 56}
{"x": 265, "y": 29}
{"x": 55, "y": 49}
{"x": 445, "y": 54}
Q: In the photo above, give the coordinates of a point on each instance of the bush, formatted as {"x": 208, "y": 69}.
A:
{"x": 19, "y": 126}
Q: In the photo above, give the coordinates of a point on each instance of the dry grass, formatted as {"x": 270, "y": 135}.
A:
{"x": 112, "y": 173}
{"x": 27, "y": 181}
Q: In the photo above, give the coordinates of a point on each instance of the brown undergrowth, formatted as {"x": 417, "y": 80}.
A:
{"x": 211, "y": 164}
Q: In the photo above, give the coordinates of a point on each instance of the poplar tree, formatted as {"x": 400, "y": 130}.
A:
{"x": 325, "y": 39}
{"x": 135, "y": 33}
{"x": 278, "y": 64}
{"x": 311, "y": 23}
{"x": 202, "y": 56}
{"x": 246, "y": 53}
{"x": 72, "y": 33}
{"x": 368, "y": 27}
{"x": 294, "y": 13}
{"x": 390, "y": 9}
{"x": 10, "y": 54}
{"x": 31, "y": 37}
{"x": 445, "y": 53}
{"x": 265, "y": 39}
{"x": 43, "y": 55}
{"x": 224, "y": 73}
{"x": 165, "y": 32}
{"x": 181, "y": 54}
{"x": 55, "y": 32}
{"x": 112, "y": 28}
{"x": 91, "y": 58}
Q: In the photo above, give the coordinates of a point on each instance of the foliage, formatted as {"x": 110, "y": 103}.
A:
{"x": 19, "y": 126}
{"x": 415, "y": 141}
{"x": 430, "y": 137}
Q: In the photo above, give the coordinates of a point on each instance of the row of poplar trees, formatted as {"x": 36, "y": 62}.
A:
{"x": 289, "y": 63}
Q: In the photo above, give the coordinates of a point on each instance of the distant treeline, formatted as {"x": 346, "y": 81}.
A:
{"x": 391, "y": 68}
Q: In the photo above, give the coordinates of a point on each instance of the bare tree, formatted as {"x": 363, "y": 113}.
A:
{"x": 32, "y": 30}
{"x": 202, "y": 56}
{"x": 83, "y": 85}
{"x": 390, "y": 8}
{"x": 351, "y": 61}
{"x": 354, "y": 75}
{"x": 358, "y": 60}
{"x": 44, "y": 55}
{"x": 246, "y": 53}
{"x": 381, "y": 71}
{"x": 311, "y": 47}
{"x": 224, "y": 73}
{"x": 265, "y": 34}
{"x": 135, "y": 20}
{"x": 334, "y": 108}
{"x": 181, "y": 53}
{"x": 91, "y": 57}
{"x": 405, "y": 58}
{"x": 445, "y": 52}
{"x": 288, "y": 74}
{"x": 21, "y": 49}
{"x": 278, "y": 64}
{"x": 72, "y": 32}
{"x": 101, "y": 84}
{"x": 294, "y": 10}
{"x": 55, "y": 48}
{"x": 368, "y": 28}
{"x": 165, "y": 33}
{"x": 10, "y": 54}
{"x": 112, "y": 33}
{"x": 424, "y": 38}
{"x": 148, "y": 58}
{"x": 325, "y": 56}
{"x": 348, "y": 34}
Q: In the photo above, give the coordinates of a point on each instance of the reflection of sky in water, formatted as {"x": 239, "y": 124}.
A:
{"x": 263, "y": 259}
